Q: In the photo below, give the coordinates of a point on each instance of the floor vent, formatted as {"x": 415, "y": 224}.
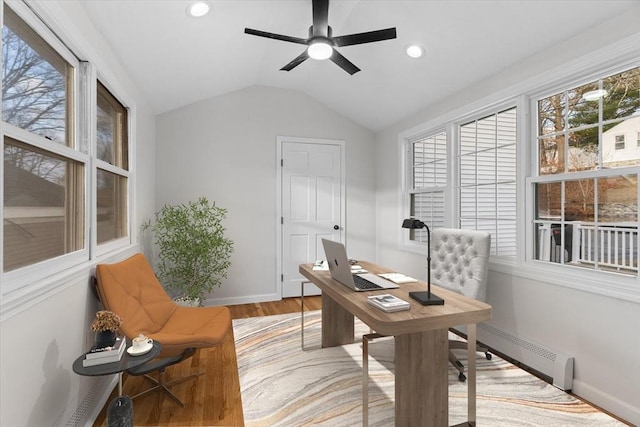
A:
{"x": 553, "y": 363}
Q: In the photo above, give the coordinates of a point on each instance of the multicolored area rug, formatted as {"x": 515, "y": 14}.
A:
{"x": 282, "y": 385}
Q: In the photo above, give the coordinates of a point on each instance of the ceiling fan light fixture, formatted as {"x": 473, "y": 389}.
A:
{"x": 197, "y": 9}
{"x": 320, "y": 50}
{"x": 414, "y": 51}
{"x": 321, "y": 44}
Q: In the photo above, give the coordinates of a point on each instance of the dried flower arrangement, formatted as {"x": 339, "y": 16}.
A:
{"x": 106, "y": 321}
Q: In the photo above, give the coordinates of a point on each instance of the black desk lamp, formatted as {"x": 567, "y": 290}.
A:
{"x": 424, "y": 298}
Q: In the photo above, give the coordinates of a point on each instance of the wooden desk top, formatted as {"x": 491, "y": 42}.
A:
{"x": 457, "y": 309}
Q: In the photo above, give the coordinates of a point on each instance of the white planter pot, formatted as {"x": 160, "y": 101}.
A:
{"x": 186, "y": 302}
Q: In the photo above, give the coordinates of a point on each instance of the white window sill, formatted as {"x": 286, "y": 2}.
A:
{"x": 40, "y": 289}
{"x": 612, "y": 285}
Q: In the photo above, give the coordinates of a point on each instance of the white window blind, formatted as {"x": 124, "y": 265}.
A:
{"x": 487, "y": 190}
{"x": 428, "y": 181}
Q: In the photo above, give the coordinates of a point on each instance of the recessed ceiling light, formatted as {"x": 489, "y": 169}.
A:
{"x": 414, "y": 51}
{"x": 594, "y": 95}
{"x": 197, "y": 9}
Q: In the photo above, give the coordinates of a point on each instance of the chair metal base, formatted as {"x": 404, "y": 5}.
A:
{"x": 159, "y": 366}
{"x": 302, "y": 312}
{"x": 161, "y": 387}
{"x": 460, "y": 345}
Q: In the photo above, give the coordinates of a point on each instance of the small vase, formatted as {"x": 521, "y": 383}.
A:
{"x": 105, "y": 339}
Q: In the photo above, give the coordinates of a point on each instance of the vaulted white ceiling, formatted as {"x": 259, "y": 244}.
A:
{"x": 177, "y": 60}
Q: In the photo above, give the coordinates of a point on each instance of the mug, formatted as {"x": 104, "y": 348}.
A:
{"x": 141, "y": 341}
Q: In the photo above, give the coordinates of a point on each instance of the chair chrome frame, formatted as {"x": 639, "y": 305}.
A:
{"x": 302, "y": 283}
{"x": 159, "y": 366}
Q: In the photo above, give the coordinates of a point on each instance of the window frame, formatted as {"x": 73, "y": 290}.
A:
{"x": 451, "y": 125}
{"x": 25, "y": 286}
{"x": 117, "y": 170}
{"x": 119, "y": 94}
{"x": 36, "y": 272}
{"x": 406, "y": 140}
{"x": 608, "y": 283}
{"x": 607, "y": 61}
{"x": 479, "y": 115}
{"x": 568, "y": 175}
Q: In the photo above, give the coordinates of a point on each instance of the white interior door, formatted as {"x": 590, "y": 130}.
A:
{"x": 312, "y": 205}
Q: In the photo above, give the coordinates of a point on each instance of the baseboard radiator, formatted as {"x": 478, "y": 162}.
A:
{"x": 89, "y": 408}
{"x": 552, "y": 363}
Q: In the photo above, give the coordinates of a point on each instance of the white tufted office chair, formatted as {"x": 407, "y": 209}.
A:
{"x": 460, "y": 262}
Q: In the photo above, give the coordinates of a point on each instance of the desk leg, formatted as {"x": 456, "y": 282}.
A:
{"x": 120, "y": 383}
{"x": 422, "y": 387}
{"x": 337, "y": 323}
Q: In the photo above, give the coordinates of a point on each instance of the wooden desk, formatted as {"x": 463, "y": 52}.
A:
{"x": 421, "y": 341}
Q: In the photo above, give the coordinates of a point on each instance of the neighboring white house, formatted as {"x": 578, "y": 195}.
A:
{"x": 621, "y": 144}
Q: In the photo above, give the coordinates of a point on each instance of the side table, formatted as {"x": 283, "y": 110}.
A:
{"x": 127, "y": 362}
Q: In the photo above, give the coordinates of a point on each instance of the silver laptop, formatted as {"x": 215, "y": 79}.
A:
{"x": 340, "y": 270}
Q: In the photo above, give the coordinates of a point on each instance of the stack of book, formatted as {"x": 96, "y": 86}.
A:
{"x": 99, "y": 356}
{"x": 388, "y": 303}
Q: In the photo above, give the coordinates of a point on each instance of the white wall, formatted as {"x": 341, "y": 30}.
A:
{"x": 224, "y": 148}
{"x": 41, "y": 336}
{"x": 600, "y": 332}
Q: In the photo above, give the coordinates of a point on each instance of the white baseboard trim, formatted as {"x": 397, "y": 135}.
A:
{"x": 242, "y": 300}
{"x": 614, "y": 405}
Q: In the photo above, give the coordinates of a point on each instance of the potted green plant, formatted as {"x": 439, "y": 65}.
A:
{"x": 194, "y": 254}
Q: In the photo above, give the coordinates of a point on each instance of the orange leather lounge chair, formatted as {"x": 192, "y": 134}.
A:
{"x": 130, "y": 289}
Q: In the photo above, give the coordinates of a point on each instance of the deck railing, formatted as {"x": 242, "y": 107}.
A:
{"x": 611, "y": 246}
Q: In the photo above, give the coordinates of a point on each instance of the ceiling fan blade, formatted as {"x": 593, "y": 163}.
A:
{"x": 297, "y": 61}
{"x": 275, "y": 36}
{"x": 344, "y": 63}
{"x": 368, "y": 37}
{"x": 320, "y": 18}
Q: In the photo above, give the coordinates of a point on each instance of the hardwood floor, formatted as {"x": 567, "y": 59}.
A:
{"x": 213, "y": 399}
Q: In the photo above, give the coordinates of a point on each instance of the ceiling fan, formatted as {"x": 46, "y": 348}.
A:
{"x": 321, "y": 43}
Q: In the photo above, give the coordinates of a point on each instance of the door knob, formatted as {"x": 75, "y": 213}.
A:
{"x": 336, "y": 227}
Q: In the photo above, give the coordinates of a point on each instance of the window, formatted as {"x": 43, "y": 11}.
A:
{"x": 586, "y": 188}
{"x": 428, "y": 165}
{"x": 112, "y": 170}
{"x": 487, "y": 174}
{"x": 61, "y": 195}
{"x": 44, "y": 173}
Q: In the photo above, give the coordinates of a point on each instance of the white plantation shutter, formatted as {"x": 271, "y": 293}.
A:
{"x": 487, "y": 189}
